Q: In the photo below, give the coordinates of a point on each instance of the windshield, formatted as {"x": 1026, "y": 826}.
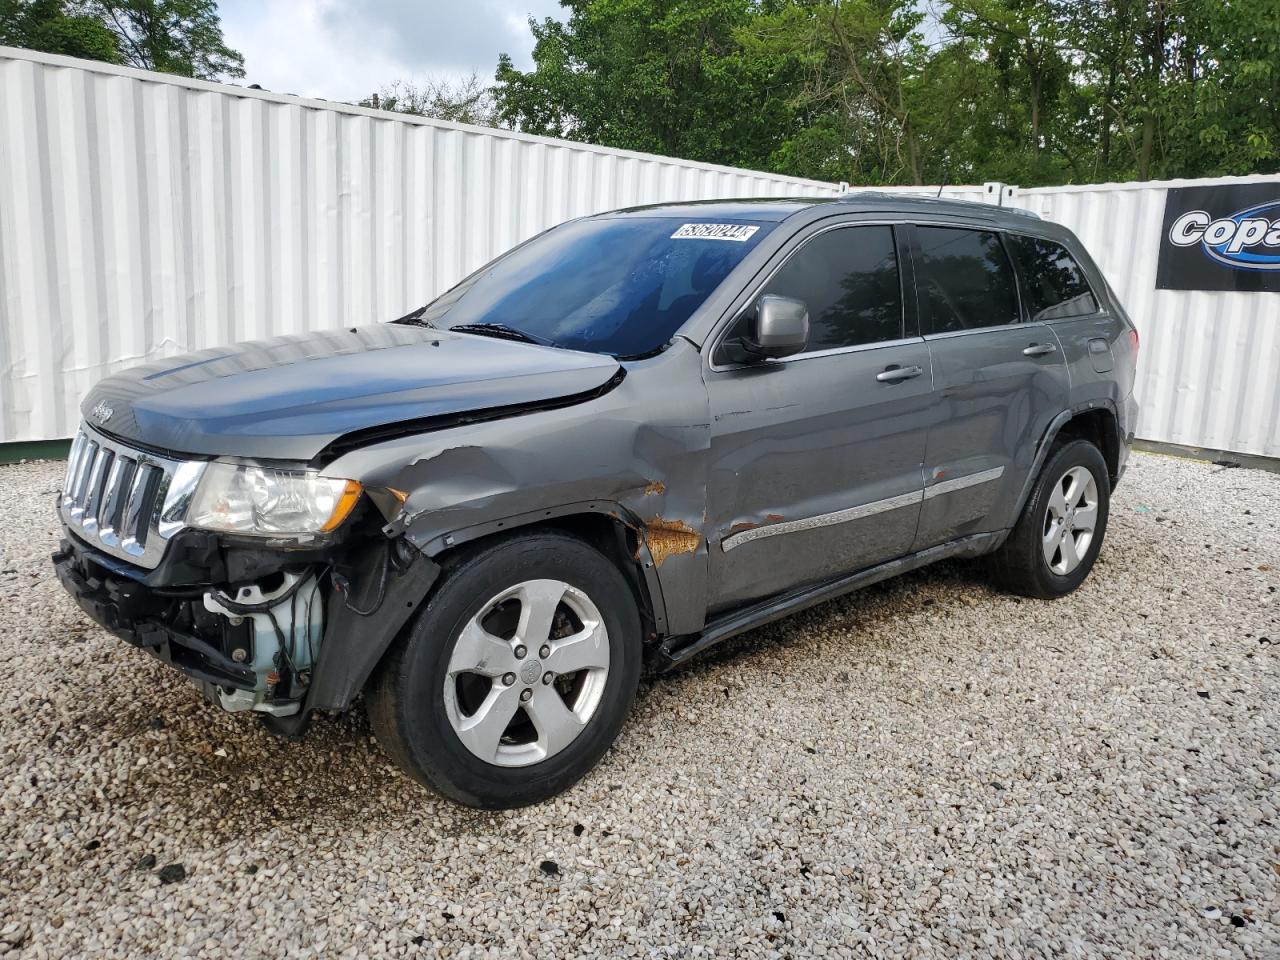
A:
{"x": 620, "y": 286}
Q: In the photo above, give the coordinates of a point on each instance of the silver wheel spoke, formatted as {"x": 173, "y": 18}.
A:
{"x": 585, "y": 650}
{"x": 538, "y": 602}
{"x": 482, "y": 731}
{"x": 556, "y": 724}
{"x": 1070, "y": 558}
{"x": 478, "y": 651}
{"x": 1057, "y": 501}
{"x": 1051, "y": 541}
{"x": 1086, "y": 519}
{"x": 1074, "y": 490}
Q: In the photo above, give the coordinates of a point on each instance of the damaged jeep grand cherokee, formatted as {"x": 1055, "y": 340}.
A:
{"x": 629, "y": 438}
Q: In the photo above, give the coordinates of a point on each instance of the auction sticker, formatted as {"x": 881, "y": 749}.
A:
{"x": 739, "y": 232}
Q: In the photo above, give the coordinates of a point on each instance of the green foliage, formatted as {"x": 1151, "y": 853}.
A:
{"x": 172, "y": 36}
{"x": 55, "y": 27}
{"x": 898, "y": 91}
{"x": 664, "y": 76}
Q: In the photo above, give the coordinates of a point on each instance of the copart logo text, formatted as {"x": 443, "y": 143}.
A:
{"x": 1248, "y": 240}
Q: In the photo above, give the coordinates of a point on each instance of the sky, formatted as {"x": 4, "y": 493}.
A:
{"x": 345, "y": 51}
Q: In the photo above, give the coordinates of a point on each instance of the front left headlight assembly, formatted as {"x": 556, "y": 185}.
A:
{"x": 268, "y": 502}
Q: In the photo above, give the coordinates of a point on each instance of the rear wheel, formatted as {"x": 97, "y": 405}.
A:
{"x": 1056, "y": 540}
{"x": 515, "y": 677}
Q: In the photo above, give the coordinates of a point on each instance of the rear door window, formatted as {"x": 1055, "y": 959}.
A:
{"x": 966, "y": 280}
{"x": 1052, "y": 281}
{"x": 848, "y": 278}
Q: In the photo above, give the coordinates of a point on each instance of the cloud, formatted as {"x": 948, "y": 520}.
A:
{"x": 345, "y": 51}
{"x": 454, "y": 37}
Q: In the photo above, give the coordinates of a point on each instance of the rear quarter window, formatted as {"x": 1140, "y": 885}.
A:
{"x": 965, "y": 279}
{"x": 1053, "y": 283}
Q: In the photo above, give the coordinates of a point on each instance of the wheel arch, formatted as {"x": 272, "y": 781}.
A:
{"x": 356, "y": 643}
{"x": 1100, "y": 426}
{"x": 604, "y": 524}
{"x": 1095, "y": 421}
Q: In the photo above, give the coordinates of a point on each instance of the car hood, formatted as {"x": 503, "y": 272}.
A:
{"x": 289, "y": 397}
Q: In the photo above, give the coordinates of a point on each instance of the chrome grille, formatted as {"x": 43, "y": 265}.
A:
{"x": 123, "y": 501}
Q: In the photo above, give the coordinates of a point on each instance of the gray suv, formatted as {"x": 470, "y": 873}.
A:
{"x": 627, "y": 439}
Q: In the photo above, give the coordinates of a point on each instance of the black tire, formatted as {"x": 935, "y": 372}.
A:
{"x": 406, "y": 698}
{"x": 1020, "y": 565}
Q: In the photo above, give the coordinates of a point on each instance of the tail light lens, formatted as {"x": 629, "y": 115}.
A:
{"x": 1133, "y": 339}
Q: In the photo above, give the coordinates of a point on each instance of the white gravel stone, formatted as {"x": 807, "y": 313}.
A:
{"x": 925, "y": 769}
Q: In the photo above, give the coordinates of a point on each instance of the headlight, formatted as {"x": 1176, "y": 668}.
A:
{"x": 262, "y": 501}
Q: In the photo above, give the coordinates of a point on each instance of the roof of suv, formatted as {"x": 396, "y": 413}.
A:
{"x": 775, "y": 210}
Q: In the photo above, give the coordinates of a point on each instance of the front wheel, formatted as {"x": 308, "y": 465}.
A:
{"x": 1056, "y": 540}
{"x": 515, "y": 677}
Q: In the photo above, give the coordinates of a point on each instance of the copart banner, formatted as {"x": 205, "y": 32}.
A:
{"x": 1222, "y": 237}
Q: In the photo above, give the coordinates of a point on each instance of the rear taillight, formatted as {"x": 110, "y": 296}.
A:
{"x": 1133, "y": 339}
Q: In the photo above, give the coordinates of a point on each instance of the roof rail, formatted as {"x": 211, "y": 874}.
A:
{"x": 854, "y": 195}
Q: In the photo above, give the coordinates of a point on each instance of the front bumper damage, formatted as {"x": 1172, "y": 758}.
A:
{"x": 302, "y": 633}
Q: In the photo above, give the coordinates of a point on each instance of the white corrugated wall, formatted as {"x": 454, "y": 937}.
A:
{"x": 143, "y": 215}
{"x": 1209, "y": 366}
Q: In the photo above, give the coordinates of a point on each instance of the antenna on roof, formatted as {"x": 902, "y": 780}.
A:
{"x": 946, "y": 178}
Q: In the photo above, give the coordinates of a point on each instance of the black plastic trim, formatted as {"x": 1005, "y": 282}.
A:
{"x": 130, "y": 611}
{"x": 1050, "y": 434}
{"x": 354, "y": 641}
{"x": 676, "y": 650}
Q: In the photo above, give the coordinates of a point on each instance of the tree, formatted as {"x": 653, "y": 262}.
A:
{"x": 866, "y": 70}
{"x": 663, "y": 76}
{"x": 1225, "y": 118}
{"x": 465, "y": 101}
{"x": 54, "y": 27}
{"x": 1023, "y": 41}
{"x": 907, "y": 91}
{"x": 172, "y": 36}
{"x": 183, "y": 37}
{"x": 1180, "y": 87}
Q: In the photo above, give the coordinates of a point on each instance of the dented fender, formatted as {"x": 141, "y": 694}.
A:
{"x": 638, "y": 453}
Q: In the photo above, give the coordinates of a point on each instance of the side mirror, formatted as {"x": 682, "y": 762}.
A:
{"x": 781, "y": 328}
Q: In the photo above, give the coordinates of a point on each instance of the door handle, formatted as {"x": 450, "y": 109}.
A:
{"x": 1038, "y": 349}
{"x": 895, "y": 373}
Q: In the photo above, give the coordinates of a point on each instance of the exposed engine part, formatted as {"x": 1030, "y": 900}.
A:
{"x": 288, "y": 623}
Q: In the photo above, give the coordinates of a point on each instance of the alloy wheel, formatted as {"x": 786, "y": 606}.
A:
{"x": 1070, "y": 520}
{"x": 527, "y": 673}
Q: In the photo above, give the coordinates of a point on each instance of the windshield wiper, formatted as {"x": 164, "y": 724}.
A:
{"x": 499, "y": 330}
{"x": 414, "y": 318}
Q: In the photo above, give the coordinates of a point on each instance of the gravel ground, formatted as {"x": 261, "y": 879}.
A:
{"x": 924, "y": 769}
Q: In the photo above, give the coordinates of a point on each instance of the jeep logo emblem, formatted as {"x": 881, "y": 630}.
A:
{"x": 102, "y": 411}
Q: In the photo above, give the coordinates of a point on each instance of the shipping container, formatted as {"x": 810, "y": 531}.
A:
{"x": 144, "y": 215}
